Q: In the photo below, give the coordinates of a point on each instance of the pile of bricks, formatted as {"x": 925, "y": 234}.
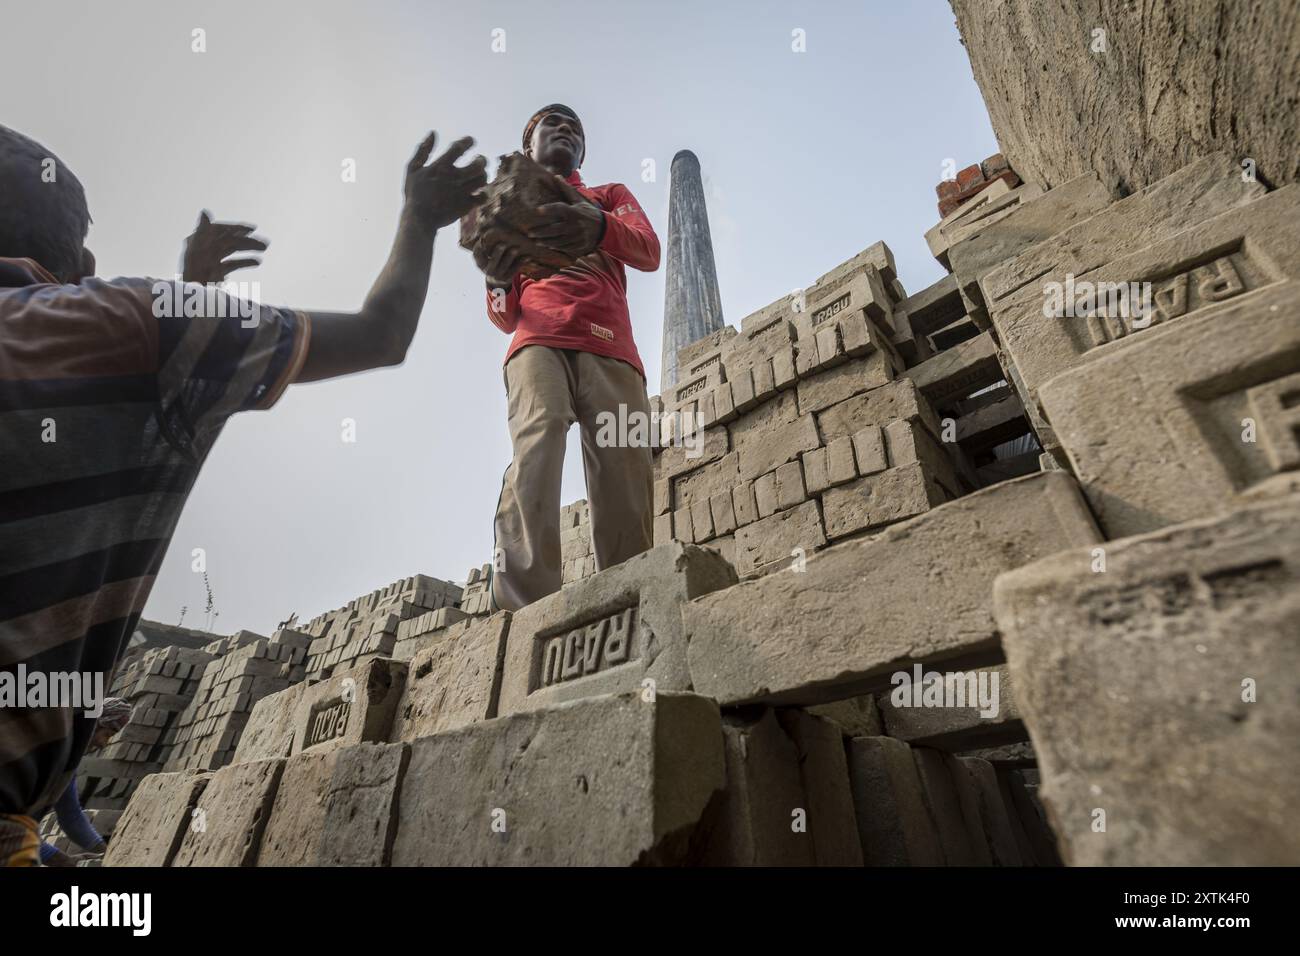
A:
{"x": 367, "y": 626}
{"x": 579, "y": 560}
{"x": 475, "y": 599}
{"x": 206, "y": 734}
{"x": 814, "y": 422}
{"x": 160, "y": 685}
{"x": 896, "y": 536}
{"x": 973, "y": 180}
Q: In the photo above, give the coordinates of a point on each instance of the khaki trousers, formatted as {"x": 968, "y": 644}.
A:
{"x": 547, "y": 390}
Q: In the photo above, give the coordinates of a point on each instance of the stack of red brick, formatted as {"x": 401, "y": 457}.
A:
{"x": 972, "y": 180}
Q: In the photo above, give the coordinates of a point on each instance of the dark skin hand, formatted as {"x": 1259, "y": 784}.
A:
{"x": 558, "y": 145}
{"x": 209, "y": 246}
{"x": 437, "y": 194}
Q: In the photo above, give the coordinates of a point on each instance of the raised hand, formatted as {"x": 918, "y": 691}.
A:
{"x": 441, "y": 192}
{"x": 206, "y": 249}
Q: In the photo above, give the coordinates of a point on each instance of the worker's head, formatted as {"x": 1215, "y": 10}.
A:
{"x": 116, "y": 715}
{"x": 43, "y": 215}
{"x": 554, "y": 137}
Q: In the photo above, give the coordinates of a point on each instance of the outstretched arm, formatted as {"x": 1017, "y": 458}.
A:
{"x": 378, "y": 336}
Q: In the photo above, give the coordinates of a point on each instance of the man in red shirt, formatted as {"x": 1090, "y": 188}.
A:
{"x": 572, "y": 359}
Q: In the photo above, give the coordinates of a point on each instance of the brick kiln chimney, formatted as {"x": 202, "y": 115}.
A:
{"x": 692, "y": 308}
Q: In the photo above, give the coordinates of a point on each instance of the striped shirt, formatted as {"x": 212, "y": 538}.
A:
{"x": 108, "y": 408}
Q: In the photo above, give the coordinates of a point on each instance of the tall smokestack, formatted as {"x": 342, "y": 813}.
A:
{"x": 692, "y": 308}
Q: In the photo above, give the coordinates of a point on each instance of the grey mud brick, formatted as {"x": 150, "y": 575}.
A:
{"x": 779, "y": 409}
{"x": 782, "y": 443}
{"x": 150, "y": 831}
{"x": 697, "y": 356}
{"x": 1207, "y": 606}
{"x": 753, "y": 824}
{"x": 840, "y": 464}
{"x": 877, "y": 500}
{"x": 682, "y": 528}
{"x": 998, "y": 832}
{"x": 858, "y": 291}
{"x": 972, "y": 811}
{"x": 360, "y": 818}
{"x": 814, "y": 470}
{"x": 746, "y": 508}
{"x": 703, "y": 483}
{"x": 784, "y": 373}
{"x": 765, "y": 378}
{"x": 663, "y": 529}
{"x": 1195, "y": 382}
{"x": 1204, "y": 267}
{"x": 894, "y": 827}
{"x": 824, "y": 770}
{"x": 917, "y": 591}
{"x": 978, "y": 710}
{"x": 995, "y": 202}
{"x": 958, "y": 372}
{"x": 944, "y": 807}
{"x": 1012, "y": 756}
{"x": 296, "y": 822}
{"x": 1030, "y": 223}
{"x": 789, "y": 485}
{"x": 934, "y": 307}
{"x": 855, "y": 716}
{"x": 830, "y": 386}
{"x": 869, "y": 450}
{"x": 232, "y": 811}
{"x": 726, "y": 547}
{"x": 701, "y": 519}
{"x": 777, "y": 541}
{"x": 354, "y": 705}
{"x": 724, "y": 403}
{"x": 1200, "y": 190}
{"x": 742, "y": 390}
{"x": 455, "y": 681}
{"x": 609, "y": 632}
{"x": 335, "y": 808}
{"x": 702, "y": 449}
{"x": 608, "y": 781}
{"x": 723, "y": 512}
{"x": 899, "y": 399}
{"x": 877, "y": 255}
{"x": 765, "y": 494}
{"x": 1038, "y": 839}
{"x": 270, "y": 728}
{"x": 830, "y": 347}
{"x": 663, "y": 500}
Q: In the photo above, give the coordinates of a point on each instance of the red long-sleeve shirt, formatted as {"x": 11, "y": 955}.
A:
{"x": 584, "y": 307}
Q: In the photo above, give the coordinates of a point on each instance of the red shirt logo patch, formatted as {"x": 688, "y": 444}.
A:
{"x": 602, "y": 333}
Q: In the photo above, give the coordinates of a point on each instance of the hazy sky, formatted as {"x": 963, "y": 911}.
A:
{"x": 807, "y": 158}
